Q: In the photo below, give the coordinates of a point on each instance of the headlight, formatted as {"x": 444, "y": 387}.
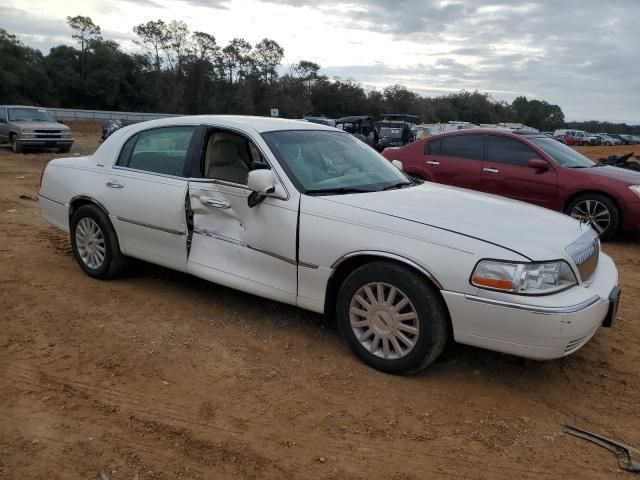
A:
{"x": 635, "y": 189}
{"x": 66, "y": 133}
{"x": 523, "y": 278}
{"x": 27, "y": 131}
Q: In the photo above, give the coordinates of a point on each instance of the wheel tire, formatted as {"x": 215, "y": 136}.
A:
{"x": 15, "y": 146}
{"x": 113, "y": 261}
{"x": 579, "y": 206}
{"x": 608, "y": 144}
{"x": 430, "y": 323}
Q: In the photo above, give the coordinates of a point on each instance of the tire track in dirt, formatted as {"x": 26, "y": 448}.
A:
{"x": 118, "y": 401}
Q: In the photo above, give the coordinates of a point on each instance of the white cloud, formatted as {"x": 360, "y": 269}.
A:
{"x": 585, "y": 60}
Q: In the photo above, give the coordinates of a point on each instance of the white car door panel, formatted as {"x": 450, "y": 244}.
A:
{"x": 251, "y": 249}
{"x": 148, "y": 212}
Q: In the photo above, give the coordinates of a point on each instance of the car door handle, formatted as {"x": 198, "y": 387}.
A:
{"x": 215, "y": 202}
{"x": 431, "y": 162}
{"x": 491, "y": 170}
{"x": 115, "y": 184}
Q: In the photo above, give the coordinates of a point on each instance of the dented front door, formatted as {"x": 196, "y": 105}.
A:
{"x": 250, "y": 249}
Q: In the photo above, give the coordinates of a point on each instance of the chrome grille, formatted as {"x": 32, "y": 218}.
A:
{"x": 585, "y": 253}
{"x": 48, "y": 134}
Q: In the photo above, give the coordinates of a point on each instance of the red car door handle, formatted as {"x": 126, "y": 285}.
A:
{"x": 431, "y": 162}
{"x": 491, "y": 170}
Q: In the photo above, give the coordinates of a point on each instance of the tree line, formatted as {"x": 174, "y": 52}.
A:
{"x": 179, "y": 71}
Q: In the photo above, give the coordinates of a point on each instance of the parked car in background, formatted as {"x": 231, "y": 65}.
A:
{"x": 631, "y": 140}
{"x": 330, "y": 122}
{"x": 393, "y": 134}
{"x": 576, "y": 137}
{"x": 308, "y": 215}
{"x": 361, "y": 127}
{"x": 623, "y": 138}
{"x": 32, "y": 127}
{"x": 608, "y": 140}
{"x": 110, "y": 126}
{"x": 422, "y": 131}
{"x": 530, "y": 168}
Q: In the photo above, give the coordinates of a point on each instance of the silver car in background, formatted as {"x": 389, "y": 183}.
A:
{"x": 32, "y": 127}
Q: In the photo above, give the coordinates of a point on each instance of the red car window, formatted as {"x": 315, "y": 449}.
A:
{"x": 509, "y": 150}
{"x": 463, "y": 146}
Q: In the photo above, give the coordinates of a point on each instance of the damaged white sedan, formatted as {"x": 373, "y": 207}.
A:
{"x": 310, "y": 216}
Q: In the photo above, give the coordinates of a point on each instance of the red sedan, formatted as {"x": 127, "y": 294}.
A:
{"x": 532, "y": 168}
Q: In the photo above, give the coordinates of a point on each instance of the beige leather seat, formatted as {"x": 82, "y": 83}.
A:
{"x": 223, "y": 161}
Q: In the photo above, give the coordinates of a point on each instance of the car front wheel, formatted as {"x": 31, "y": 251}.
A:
{"x": 597, "y": 210}
{"x": 95, "y": 244}
{"x": 392, "y": 318}
{"x": 15, "y": 145}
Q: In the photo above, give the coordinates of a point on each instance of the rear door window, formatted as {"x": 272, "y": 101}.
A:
{"x": 509, "y": 150}
{"x": 463, "y": 146}
{"x": 161, "y": 150}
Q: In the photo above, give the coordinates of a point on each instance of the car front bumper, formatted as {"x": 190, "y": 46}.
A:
{"x": 540, "y": 328}
{"x": 45, "y": 142}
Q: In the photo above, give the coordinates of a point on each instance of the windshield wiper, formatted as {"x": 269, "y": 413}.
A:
{"x": 397, "y": 185}
{"x": 337, "y": 191}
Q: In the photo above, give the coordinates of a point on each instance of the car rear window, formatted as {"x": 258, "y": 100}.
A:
{"x": 463, "y": 146}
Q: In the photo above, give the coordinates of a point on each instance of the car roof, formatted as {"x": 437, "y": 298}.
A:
{"x": 259, "y": 124}
{"x": 493, "y": 131}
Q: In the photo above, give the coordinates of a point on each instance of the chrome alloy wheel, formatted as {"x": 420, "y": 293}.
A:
{"x": 90, "y": 243}
{"x": 384, "y": 320}
{"x": 595, "y": 213}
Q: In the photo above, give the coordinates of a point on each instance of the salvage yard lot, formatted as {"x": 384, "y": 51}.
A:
{"x": 160, "y": 375}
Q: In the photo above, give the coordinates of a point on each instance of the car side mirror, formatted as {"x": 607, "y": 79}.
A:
{"x": 398, "y": 164}
{"x": 262, "y": 184}
{"x": 538, "y": 164}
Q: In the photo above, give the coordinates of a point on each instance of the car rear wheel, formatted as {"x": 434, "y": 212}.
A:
{"x": 95, "y": 244}
{"x": 598, "y": 210}
{"x": 15, "y": 145}
{"x": 392, "y": 318}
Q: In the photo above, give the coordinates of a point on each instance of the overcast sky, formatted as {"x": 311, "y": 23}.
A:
{"x": 581, "y": 54}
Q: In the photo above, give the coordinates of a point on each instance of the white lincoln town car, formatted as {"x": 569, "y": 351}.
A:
{"x": 310, "y": 216}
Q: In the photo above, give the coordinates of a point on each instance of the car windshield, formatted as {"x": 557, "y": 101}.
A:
{"x": 30, "y": 115}
{"x": 563, "y": 155}
{"x": 326, "y": 162}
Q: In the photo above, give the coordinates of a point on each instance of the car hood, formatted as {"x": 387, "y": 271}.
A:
{"x": 534, "y": 232}
{"x": 41, "y": 125}
{"x": 629, "y": 177}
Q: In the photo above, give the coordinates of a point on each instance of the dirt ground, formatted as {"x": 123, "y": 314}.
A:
{"x": 159, "y": 375}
